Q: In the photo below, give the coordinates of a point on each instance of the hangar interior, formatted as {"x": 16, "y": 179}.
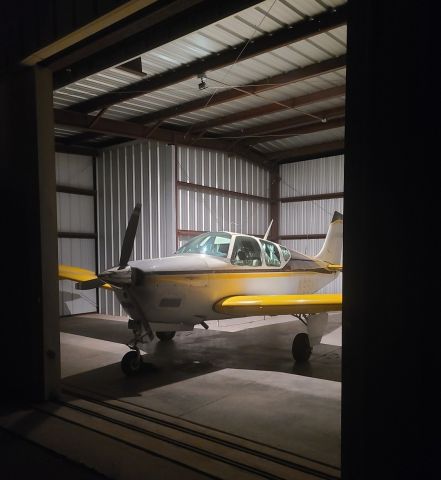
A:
{"x": 390, "y": 359}
{"x": 223, "y": 128}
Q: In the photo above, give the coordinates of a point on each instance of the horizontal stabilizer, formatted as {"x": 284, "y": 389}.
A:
{"x": 248, "y": 305}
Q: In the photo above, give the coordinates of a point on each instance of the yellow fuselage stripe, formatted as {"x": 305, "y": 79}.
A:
{"x": 231, "y": 276}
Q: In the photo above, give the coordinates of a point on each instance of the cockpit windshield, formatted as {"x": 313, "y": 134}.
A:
{"x": 216, "y": 244}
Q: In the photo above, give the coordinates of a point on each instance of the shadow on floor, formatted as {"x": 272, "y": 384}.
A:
{"x": 191, "y": 354}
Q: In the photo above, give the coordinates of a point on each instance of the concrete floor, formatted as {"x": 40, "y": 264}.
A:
{"x": 237, "y": 377}
{"x": 40, "y": 462}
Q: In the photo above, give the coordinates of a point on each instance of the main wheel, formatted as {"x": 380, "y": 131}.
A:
{"x": 165, "y": 336}
{"x": 131, "y": 363}
{"x": 301, "y": 348}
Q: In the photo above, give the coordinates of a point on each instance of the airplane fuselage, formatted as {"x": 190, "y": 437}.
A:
{"x": 183, "y": 289}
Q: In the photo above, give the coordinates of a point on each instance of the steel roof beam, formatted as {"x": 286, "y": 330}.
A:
{"x": 266, "y": 84}
{"x": 233, "y": 94}
{"x": 290, "y": 103}
{"x": 132, "y": 130}
{"x": 150, "y": 29}
{"x": 297, "y": 153}
{"x": 279, "y": 38}
{"x": 301, "y": 130}
{"x": 323, "y": 117}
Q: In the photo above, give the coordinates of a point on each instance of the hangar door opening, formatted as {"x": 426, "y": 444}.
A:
{"x": 222, "y": 378}
{"x": 222, "y": 127}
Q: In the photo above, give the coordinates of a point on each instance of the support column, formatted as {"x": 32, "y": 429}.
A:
{"x": 29, "y": 344}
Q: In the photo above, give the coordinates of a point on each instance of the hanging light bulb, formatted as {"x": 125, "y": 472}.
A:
{"x": 202, "y": 85}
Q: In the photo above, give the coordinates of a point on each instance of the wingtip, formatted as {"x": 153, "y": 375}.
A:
{"x": 337, "y": 216}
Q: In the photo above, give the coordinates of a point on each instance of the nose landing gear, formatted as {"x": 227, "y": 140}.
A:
{"x": 131, "y": 362}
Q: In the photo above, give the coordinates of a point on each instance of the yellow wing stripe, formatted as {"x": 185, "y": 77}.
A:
{"x": 279, "y": 304}
{"x": 77, "y": 274}
{"x": 335, "y": 267}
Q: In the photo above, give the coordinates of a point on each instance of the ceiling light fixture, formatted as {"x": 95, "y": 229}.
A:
{"x": 202, "y": 85}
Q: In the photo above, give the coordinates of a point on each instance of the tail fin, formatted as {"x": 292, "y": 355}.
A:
{"x": 333, "y": 246}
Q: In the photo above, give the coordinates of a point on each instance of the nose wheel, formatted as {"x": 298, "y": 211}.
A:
{"x": 131, "y": 362}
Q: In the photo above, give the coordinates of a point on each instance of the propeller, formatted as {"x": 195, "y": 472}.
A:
{"x": 126, "y": 251}
{"x": 129, "y": 237}
{"x": 89, "y": 284}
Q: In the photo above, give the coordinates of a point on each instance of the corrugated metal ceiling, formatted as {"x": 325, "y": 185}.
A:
{"x": 302, "y": 140}
{"x": 229, "y": 32}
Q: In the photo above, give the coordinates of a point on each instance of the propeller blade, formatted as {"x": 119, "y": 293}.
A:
{"x": 129, "y": 237}
{"x": 89, "y": 284}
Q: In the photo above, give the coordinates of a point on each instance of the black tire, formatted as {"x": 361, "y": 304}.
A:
{"x": 131, "y": 363}
{"x": 301, "y": 348}
{"x": 165, "y": 336}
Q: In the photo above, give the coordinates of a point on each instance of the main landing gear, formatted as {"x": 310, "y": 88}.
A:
{"x": 165, "y": 336}
{"x": 301, "y": 345}
{"x": 303, "y": 342}
{"x": 301, "y": 348}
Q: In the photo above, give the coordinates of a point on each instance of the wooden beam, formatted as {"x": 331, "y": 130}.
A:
{"x": 284, "y": 36}
{"x": 132, "y": 130}
{"x": 270, "y": 83}
{"x": 289, "y": 103}
{"x": 221, "y": 191}
{"x": 309, "y": 151}
{"x": 301, "y": 130}
{"x": 311, "y": 198}
{"x": 139, "y": 34}
{"x": 91, "y": 28}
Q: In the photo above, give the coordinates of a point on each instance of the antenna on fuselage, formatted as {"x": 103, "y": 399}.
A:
{"x": 268, "y": 230}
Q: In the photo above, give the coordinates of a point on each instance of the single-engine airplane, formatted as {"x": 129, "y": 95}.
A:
{"x": 219, "y": 275}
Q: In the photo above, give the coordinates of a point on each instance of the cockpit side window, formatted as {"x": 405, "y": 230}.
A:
{"x": 271, "y": 254}
{"x": 216, "y": 244}
{"x": 286, "y": 253}
{"x": 246, "y": 252}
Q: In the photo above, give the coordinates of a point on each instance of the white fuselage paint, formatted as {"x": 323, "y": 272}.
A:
{"x": 182, "y": 289}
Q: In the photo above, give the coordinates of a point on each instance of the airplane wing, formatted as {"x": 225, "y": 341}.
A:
{"x": 243, "y": 305}
{"x": 77, "y": 274}
{"x": 335, "y": 267}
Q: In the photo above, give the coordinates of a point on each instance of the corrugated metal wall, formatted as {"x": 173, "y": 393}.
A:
{"x": 75, "y": 215}
{"x": 147, "y": 172}
{"x": 312, "y": 177}
{"x": 135, "y": 172}
{"x": 218, "y": 211}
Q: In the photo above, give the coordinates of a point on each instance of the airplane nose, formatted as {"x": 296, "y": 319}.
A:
{"x": 118, "y": 277}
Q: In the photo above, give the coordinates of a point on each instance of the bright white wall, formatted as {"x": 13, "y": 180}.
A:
{"x": 311, "y": 177}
